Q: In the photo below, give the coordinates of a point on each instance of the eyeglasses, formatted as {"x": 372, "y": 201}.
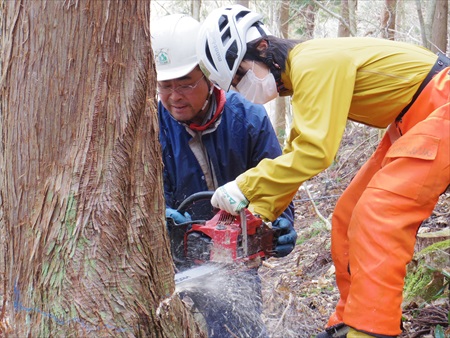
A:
{"x": 183, "y": 89}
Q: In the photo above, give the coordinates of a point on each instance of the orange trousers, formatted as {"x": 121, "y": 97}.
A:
{"x": 375, "y": 221}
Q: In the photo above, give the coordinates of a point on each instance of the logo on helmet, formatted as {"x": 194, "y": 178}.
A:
{"x": 216, "y": 50}
{"x": 162, "y": 57}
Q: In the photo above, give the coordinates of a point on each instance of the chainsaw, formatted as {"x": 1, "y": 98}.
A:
{"x": 200, "y": 247}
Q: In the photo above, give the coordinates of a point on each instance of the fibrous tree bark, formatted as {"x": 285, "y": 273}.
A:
{"x": 85, "y": 251}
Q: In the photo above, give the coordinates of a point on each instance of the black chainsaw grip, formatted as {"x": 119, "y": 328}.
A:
{"x": 199, "y": 196}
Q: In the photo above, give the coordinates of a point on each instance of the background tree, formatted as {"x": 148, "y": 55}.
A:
{"x": 195, "y": 9}
{"x": 243, "y": 2}
{"x": 84, "y": 244}
{"x": 344, "y": 24}
{"x": 281, "y": 108}
{"x": 423, "y": 27}
{"x": 303, "y": 19}
{"x": 439, "y": 30}
{"x": 388, "y": 20}
{"x": 429, "y": 7}
{"x": 433, "y": 18}
{"x": 347, "y": 22}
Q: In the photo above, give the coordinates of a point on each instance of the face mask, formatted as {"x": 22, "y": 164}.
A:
{"x": 257, "y": 90}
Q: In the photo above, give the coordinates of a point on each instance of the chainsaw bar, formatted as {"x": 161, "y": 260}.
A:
{"x": 196, "y": 272}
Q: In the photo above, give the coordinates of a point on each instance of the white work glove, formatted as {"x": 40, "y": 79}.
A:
{"x": 229, "y": 198}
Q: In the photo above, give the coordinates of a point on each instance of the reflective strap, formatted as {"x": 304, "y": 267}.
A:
{"x": 393, "y": 132}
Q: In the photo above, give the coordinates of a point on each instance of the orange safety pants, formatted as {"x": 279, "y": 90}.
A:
{"x": 375, "y": 221}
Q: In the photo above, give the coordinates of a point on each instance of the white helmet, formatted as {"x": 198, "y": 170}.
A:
{"x": 173, "y": 43}
{"x": 222, "y": 42}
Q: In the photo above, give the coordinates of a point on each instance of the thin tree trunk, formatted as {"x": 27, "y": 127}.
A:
{"x": 439, "y": 32}
{"x": 352, "y": 5}
{"x": 388, "y": 19}
{"x": 284, "y": 19}
{"x": 309, "y": 12}
{"x": 241, "y": 2}
{"x": 344, "y": 24}
{"x": 85, "y": 249}
{"x": 280, "y": 103}
{"x": 423, "y": 28}
{"x": 430, "y": 13}
{"x": 352, "y": 8}
{"x": 195, "y": 9}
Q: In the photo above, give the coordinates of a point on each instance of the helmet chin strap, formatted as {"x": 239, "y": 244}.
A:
{"x": 208, "y": 97}
{"x": 276, "y": 71}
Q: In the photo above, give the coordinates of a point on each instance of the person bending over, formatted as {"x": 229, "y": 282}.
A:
{"x": 377, "y": 82}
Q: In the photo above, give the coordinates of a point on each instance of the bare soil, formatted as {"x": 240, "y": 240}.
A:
{"x": 299, "y": 290}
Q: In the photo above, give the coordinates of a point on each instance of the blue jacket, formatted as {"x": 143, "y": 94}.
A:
{"x": 197, "y": 161}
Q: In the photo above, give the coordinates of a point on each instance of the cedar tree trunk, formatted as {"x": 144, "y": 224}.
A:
{"x": 84, "y": 247}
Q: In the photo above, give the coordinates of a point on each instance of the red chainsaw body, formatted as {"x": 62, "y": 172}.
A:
{"x": 220, "y": 239}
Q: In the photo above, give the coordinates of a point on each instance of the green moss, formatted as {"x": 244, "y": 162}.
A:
{"x": 71, "y": 213}
{"x": 416, "y": 282}
{"x": 442, "y": 245}
{"x": 426, "y": 280}
{"x": 315, "y": 230}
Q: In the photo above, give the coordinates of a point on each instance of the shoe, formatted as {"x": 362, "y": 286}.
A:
{"x": 335, "y": 331}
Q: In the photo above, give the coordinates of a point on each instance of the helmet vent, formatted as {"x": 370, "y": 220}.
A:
{"x": 241, "y": 14}
{"x": 226, "y": 36}
{"x": 210, "y": 59}
{"x": 231, "y": 55}
{"x": 223, "y": 23}
{"x": 261, "y": 31}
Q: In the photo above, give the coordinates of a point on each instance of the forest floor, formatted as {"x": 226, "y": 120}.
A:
{"x": 299, "y": 290}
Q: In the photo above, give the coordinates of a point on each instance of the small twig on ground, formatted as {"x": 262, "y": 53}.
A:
{"x": 268, "y": 265}
{"x": 284, "y": 312}
{"x": 441, "y": 213}
{"x": 230, "y": 332}
{"x": 323, "y": 219}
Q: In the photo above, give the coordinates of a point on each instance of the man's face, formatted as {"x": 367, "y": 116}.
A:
{"x": 184, "y": 97}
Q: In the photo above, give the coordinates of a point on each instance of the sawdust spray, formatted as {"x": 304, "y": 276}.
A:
{"x": 227, "y": 302}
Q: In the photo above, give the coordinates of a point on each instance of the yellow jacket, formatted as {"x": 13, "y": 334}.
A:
{"x": 366, "y": 80}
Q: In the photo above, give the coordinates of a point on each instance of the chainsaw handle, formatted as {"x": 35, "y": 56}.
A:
{"x": 198, "y": 196}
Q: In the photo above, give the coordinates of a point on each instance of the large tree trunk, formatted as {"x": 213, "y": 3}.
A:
{"x": 85, "y": 249}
